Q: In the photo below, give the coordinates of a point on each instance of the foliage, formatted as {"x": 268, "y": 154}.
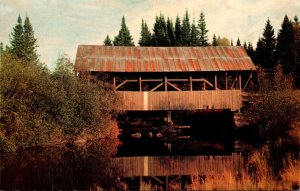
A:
{"x": 23, "y": 42}
{"x": 203, "y": 40}
{"x": 296, "y": 72}
{"x": 266, "y": 48}
{"x": 214, "y": 42}
{"x": 274, "y": 115}
{"x": 124, "y": 37}
{"x": 285, "y": 47}
{"x": 160, "y": 33}
{"x": 29, "y": 41}
{"x": 250, "y": 50}
{"x": 178, "y": 32}
{"x": 186, "y": 30}
{"x": 58, "y": 112}
{"x": 145, "y": 39}
{"x": 238, "y": 42}
{"x": 16, "y": 39}
{"x": 171, "y": 32}
{"x": 107, "y": 41}
{"x": 222, "y": 41}
{"x": 194, "y": 35}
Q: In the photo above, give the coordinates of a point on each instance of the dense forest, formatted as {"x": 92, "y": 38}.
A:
{"x": 48, "y": 147}
{"x": 271, "y": 51}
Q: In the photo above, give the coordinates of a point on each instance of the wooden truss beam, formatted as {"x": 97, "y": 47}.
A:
{"x": 174, "y": 86}
{"x": 250, "y": 77}
{"x": 156, "y": 87}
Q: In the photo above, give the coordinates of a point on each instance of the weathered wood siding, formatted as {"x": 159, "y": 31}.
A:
{"x": 181, "y": 100}
{"x": 179, "y": 165}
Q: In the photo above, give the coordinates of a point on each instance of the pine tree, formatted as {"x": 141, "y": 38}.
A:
{"x": 259, "y": 52}
{"x": 160, "y": 34}
{"x": 231, "y": 42}
{"x": 194, "y": 41}
{"x": 245, "y": 45}
{"x": 268, "y": 42}
{"x": 186, "y": 30}
{"x": 203, "y": 40}
{"x": 124, "y": 38}
{"x": 178, "y": 32}
{"x": 29, "y": 43}
{"x": 296, "y": 31}
{"x": 146, "y": 39}
{"x": 107, "y": 41}
{"x": 16, "y": 40}
{"x": 285, "y": 48}
{"x": 238, "y": 42}
{"x": 1, "y": 50}
{"x": 250, "y": 50}
{"x": 214, "y": 42}
{"x": 296, "y": 20}
{"x": 171, "y": 32}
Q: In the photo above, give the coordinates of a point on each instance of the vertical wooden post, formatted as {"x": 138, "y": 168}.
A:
{"x": 167, "y": 182}
{"x": 140, "y": 84}
{"x": 141, "y": 181}
{"x": 216, "y": 83}
{"x": 204, "y": 85}
{"x": 114, "y": 82}
{"x": 191, "y": 83}
{"x": 166, "y": 83}
{"x": 240, "y": 81}
{"x": 169, "y": 116}
{"x": 226, "y": 80}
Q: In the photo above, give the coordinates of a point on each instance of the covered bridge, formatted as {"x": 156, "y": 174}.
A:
{"x": 171, "y": 78}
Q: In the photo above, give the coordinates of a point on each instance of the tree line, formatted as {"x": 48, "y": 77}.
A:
{"x": 55, "y": 128}
{"x": 283, "y": 50}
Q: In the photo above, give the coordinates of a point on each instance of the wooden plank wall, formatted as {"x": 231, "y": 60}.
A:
{"x": 181, "y": 100}
{"x": 179, "y": 165}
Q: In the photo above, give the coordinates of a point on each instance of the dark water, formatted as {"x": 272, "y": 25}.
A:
{"x": 210, "y": 133}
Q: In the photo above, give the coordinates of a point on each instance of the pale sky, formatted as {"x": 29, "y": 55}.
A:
{"x": 61, "y": 25}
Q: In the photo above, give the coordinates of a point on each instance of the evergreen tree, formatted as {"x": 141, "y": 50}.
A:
{"x": 268, "y": 42}
{"x": 146, "y": 39}
{"x": 107, "y": 41}
{"x": 250, "y": 50}
{"x": 178, "y": 32}
{"x": 160, "y": 34}
{"x": 296, "y": 19}
{"x": 259, "y": 52}
{"x": 238, "y": 42}
{"x": 29, "y": 43}
{"x": 214, "y": 42}
{"x": 186, "y": 30}
{"x": 1, "y": 50}
{"x": 194, "y": 35}
{"x": 124, "y": 37}
{"x": 171, "y": 32}
{"x": 245, "y": 45}
{"x": 16, "y": 40}
{"x": 203, "y": 40}
{"x": 231, "y": 42}
{"x": 285, "y": 48}
{"x": 296, "y": 31}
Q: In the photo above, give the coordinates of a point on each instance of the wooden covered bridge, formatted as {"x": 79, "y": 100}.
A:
{"x": 172, "y": 79}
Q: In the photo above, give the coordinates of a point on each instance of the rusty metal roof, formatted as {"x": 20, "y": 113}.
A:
{"x": 162, "y": 59}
